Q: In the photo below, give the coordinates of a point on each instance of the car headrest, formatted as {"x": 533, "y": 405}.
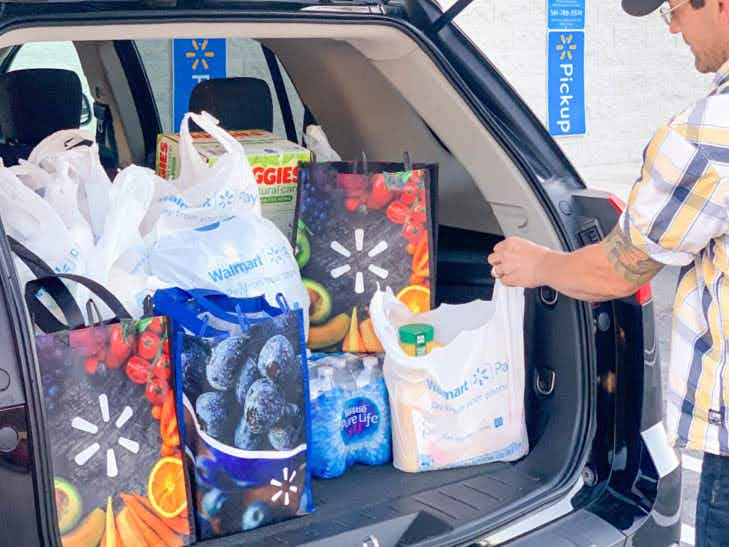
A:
{"x": 37, "y": 102}
{"x": 237, "y": 103}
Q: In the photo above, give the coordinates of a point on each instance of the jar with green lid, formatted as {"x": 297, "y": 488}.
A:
{"x": 417, "y": 339}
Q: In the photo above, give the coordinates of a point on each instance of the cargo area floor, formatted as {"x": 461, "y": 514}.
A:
{"x": 417, "y": 504}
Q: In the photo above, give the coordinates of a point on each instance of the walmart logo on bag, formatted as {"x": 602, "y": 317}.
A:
{"x": 236, "y": 268}
{"x": 489, "y": 375}
{"x": 176, "y": 200}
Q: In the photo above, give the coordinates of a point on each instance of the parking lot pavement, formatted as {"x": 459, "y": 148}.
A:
{"x": 663, "y": 290}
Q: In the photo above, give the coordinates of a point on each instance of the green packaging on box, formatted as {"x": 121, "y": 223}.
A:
{"x": 417, "y": 336}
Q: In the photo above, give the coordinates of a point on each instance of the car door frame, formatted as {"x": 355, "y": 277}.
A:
{"x": 512, "y": 122}
{"x": 624, "y": 484}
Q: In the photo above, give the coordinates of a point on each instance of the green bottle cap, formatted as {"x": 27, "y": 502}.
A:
{"x": 418, "y": 334}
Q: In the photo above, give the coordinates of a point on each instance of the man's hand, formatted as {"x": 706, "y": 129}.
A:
{"x": 613, "y": 268}
{"x": 518, "y": 262}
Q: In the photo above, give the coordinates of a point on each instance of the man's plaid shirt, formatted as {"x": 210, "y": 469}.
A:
{"x": 678, "y": 214}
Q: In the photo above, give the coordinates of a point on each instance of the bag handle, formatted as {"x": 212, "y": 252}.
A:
{"x": 47, "y": 322}
{"x": 208, "y": 123}
{"x": 406, "y": 161}
{"x": 189, "y": 156}
{"x": 62, "y": 295}
{"x": 184, "y": 306}
{"x": 184, "y": 311}
{"x": 228, "y": 308}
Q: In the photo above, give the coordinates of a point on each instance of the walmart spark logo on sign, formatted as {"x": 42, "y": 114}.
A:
{"x": 194, "y": 60}
{"x": 566, "y": 47}
{"x": 566, "y": 83}
{"x": 199, "y": 57}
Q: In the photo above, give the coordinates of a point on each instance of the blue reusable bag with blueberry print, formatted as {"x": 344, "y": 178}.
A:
{"x": 242, "y": 380}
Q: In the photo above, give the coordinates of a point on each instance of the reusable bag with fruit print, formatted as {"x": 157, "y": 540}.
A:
{"x": 243, "y": 391}
{"x": 111, "y": 422}
{"x": 363, "y": 225}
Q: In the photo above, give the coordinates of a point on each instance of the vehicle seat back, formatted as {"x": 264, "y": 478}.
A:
{"x": 237, "y": 103}
{"x": 34, "y": 103}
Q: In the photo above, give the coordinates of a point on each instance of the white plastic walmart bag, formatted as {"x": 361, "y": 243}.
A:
{"x": 205, "y": 230}
{"x": 62, "y": 207}
{"x": 31, "y": 220}
{"x": 70, "y": 176}
{"x": 203, "y": 194}
{"x": 463, "y": 403}
{"x": 244, "y": 256}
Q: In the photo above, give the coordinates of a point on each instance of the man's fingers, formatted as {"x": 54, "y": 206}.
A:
{"x": 506, "y": 280}
{"x": 499, "y": 271}
{"x": 494, "y": 259}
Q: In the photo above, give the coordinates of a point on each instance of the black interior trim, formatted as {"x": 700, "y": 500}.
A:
{"x": 283, "y": 98}
{"x": 142, "y": 95}
{"x": 8, "y": 59}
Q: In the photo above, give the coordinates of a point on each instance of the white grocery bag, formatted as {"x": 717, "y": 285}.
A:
{"x": 61, "y": 206}
{"x": 244, "y": 256}
{"x": 203, "y": 194}
{"x": 32, "y": 221}
{"x": 71, "y": 177}
{"x": 205, "y": 230}
{"x": 463, "y": 403}
{"x": 317, "y": 141}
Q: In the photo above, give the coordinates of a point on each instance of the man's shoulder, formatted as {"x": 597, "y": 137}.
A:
{"x": 708, "y": 113}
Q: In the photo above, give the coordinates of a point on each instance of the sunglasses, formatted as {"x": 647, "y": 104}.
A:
{"x": 667, "y": 10}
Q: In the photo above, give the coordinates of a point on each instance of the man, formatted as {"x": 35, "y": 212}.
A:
{"x": 678, "y": 214}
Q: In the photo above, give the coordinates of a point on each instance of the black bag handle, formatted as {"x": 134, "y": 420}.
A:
{"x": 406, "y": 161}
{"x": 56, "y": 287}
{"x": 36, "y": 264}
{"x": 47, "y": 322}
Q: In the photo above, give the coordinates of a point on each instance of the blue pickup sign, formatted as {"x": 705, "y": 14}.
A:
{"x": 565, "y": 14}
{"x": 193, "y": 61}
{"x": 566, "y": 83}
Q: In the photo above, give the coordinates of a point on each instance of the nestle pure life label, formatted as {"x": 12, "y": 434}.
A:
{"x": 274, "y": 162}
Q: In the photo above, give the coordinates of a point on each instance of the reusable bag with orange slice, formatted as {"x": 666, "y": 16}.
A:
{"x": 363, "y": 225}
{"x": 111, "y": 422}
{"x": 242, "y": 392}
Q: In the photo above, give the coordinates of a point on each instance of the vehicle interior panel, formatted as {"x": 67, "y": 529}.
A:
{"x": 372, "y": 88}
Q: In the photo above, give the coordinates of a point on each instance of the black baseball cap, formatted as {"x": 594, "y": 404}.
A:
{"x": 641, "y": 7}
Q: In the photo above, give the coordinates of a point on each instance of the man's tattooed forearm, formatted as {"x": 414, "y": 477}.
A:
{"x": 628, "y": 260}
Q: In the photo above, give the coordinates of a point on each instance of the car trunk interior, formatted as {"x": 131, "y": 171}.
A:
{"x": 373, "y": 88}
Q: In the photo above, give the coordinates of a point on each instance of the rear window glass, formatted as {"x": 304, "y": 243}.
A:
{"x": 54, "y": 55}
{"x": 244, "y": 58}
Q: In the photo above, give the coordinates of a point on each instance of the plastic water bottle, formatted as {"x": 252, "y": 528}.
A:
{"x": 350, "y": 417}
{"x": 369, "y": 371}
{"x": 371, "y": 442}
{"x": 354, "y": 364}
{"x": 342, "y": 376}
{"x": 314, "y": 381}
{"x": 327, "y": 454}
{"x": 326, "y": 378}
